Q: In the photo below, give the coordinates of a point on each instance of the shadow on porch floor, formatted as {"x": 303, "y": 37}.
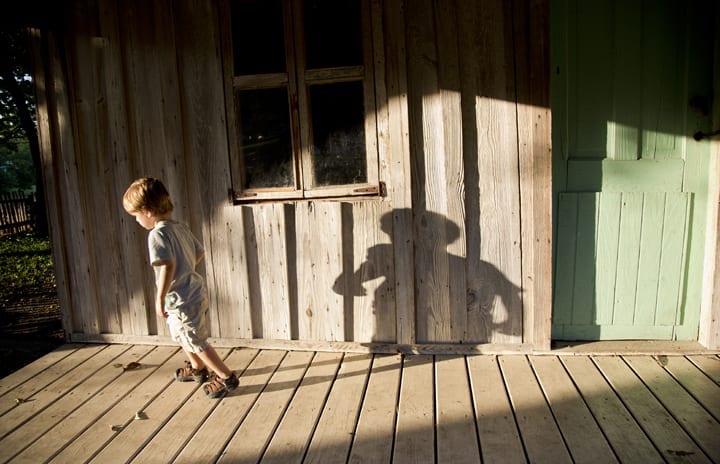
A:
{"x": 79, "y": 404}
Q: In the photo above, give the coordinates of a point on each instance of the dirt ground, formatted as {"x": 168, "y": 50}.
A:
{"x": 29, "y": 327}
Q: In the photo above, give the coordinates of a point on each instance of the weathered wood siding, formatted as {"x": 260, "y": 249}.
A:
{"x": 458, "y": 251}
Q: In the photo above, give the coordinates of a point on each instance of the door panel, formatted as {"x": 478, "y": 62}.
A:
{"x": 625, "y": 271}
{"x": 631, "y": 84}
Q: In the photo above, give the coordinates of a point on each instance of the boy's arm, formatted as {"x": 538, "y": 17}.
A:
{"x": 166, "y": 275}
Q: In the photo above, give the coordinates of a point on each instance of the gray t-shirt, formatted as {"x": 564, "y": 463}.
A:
{"x": 173, "y": 241}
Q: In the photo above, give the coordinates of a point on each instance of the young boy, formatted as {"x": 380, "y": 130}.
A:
{"x": 181, "y": 297}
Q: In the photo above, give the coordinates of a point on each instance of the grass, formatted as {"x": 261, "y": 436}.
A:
{"x": 25, "y": 262}
{"x": 29, "y": 311}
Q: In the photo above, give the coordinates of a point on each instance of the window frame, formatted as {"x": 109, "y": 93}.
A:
{"x": 297, "y": 80}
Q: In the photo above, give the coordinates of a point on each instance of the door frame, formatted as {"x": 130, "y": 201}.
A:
{"x": 709, "y": 334}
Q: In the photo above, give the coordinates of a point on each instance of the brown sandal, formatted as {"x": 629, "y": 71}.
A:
{"x": 190, "y": 374}
{"x": 219, "y": 387}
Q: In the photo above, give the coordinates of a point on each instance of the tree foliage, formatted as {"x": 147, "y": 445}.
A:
{"x": 18, "y": 131}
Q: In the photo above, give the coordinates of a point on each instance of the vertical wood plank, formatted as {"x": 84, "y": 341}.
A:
{"x": 584, "y": 288}
{"x": 415, "y": 435}
{"x": 205, "y": 156}
{"x": 131, "y": 304}
{"x": 271, "y": 241}
{"x": 399, "y": 190}
{"x": 534, "y": 122}
{"x": 449, "y": 83}
{"x": 608, "y": 237}
{"x": 90, "y": 133}
{"x": 628, "y": 252}
{"x": 373, "y": 316}
{"x": 649, "y": 260}
{"x": 321, "y": 315}
{"x": 428, "y": 181}
{"x": 565, "y": 260}
{"x": 497, "y": 165}
{"x": 627, "y": 86}
{"x": 45, "y": 73}
{"x": 672, "y": 270}
{"x": 64, "y": 162}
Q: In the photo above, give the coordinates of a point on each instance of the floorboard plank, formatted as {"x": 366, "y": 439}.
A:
{"x": 457, "y": 440}
{"x": 306, "y": 406}
{"x": 667, "y": 435}
{"x": 17, "y": 378}
{"x": 255, "y": 432}
{"x": 292, "y": 437}
{"x": 696, "y": 421}
{"x": 137, "y": 433}
{"x": 415, "y": 432}
{"x": 710, "y": 365}
{"x": 583, "y": 436}
{"x": 184, "y": 423}
{"x": 95, "y": 437}
{"x": 41, "y": 382}
{"x": 333, "y": 435}
{"x": 499, "y": 436}
{"x": 701, "y": 387}
{"x": 376, "y": 425}
{"x": 210, "y": 440}
{"x": 73, "y": 424}
{"x": 538, "y": 430}
{"x": 626, "y": 438}
{"x": 53, "y": 403}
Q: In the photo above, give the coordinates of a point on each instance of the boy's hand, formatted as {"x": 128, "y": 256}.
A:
{"x": 160, "y": 311}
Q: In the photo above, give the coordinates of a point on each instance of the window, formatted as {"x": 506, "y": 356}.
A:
{"x": 302, "y": 110}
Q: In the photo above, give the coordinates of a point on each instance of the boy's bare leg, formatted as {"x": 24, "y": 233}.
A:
{"x": 212, "y": 360}
{"x": 195, "y": 360}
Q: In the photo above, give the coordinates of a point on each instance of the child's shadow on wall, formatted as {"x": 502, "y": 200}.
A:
{"x": 492, "y": 306}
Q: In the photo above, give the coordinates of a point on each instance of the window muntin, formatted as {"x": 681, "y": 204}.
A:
{"x": 322, "y": 142}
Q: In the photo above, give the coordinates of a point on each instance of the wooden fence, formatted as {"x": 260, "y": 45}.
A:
{"x": 16, "y": 212}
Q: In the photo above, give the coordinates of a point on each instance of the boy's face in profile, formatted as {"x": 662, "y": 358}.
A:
{"x": 145, "y": 219}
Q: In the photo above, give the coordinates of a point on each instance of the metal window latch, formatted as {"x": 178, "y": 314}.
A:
{"x": 705, "y": 135}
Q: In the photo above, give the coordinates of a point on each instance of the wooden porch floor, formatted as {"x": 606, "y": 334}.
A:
{"x": 78, "y": 404}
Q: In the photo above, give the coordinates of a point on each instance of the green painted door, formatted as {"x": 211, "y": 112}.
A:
{"x": 631, "y": 84}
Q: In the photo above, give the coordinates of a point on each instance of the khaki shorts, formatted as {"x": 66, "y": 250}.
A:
{"x": 188, "y": 328}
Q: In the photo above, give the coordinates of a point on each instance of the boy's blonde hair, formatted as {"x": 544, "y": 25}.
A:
{"x": 147, "y": 194}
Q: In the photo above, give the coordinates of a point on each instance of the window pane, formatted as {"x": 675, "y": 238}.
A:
{"x": 338, "y": 130}
{"x": 258, "y": 37}
{"x": 332, "y": 33}
{"x": 264, "y": 128}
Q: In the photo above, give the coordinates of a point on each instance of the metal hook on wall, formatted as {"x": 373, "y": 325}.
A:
{"x": 705, "y": 135}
